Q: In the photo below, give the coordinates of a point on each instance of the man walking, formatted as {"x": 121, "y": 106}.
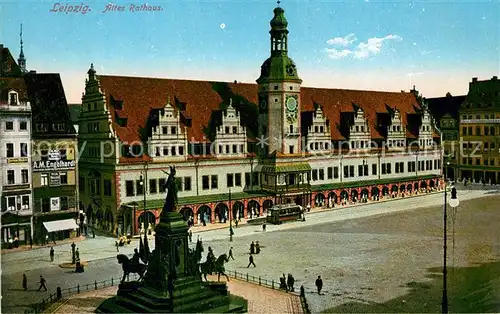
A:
{"x": 51, "y": 254}
{"x": 250, "y": 261}
{"x": 25, "y": 282}
{"x": 77, "y": 254}
{"x": 42, "y": 283}
{"x": 231, "y": 253}
{"x": 264, "y": 227}
{"x": 319, "y": 284}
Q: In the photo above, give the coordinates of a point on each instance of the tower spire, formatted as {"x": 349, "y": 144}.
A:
{"x": 22, "y": 59}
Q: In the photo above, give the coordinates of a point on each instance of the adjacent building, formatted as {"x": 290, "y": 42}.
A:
{"x": 267, "y": 143}
{"x": 55, "y": 171}
{"x": 16, "y": 201}
{"x": 480, "y": 132}
{"x": 445, "y": 110}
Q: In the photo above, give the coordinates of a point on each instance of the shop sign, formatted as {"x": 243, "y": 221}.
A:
{"x": 20, "y": 160}
{"x": 54, "y": 155}
{"x": 55, "y": 204}
{"x": 55, "y": 179}
{"x": 53, "y": 165}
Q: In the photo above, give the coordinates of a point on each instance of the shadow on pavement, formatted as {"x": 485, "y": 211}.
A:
{"x": 470, "y": 290}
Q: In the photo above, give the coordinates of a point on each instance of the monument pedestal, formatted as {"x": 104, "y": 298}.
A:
{"x": 190, "y": 296}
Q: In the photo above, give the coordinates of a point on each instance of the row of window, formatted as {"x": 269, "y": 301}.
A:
{"x": 64, "y": 201}
{"x": 173, "y": 130}
{"x": 234, "y": 130}
{"x": 23, "y": 202}
{"x": 486, "y": 116}
{"x": 11, "y": 176}
{"x": 9, "y": 125}
{"x": 396, "y": 143}
{"x": 95, "y": 186}
{"x": 93, "y": 127}
{"x": 426, "y": 142}
{"x": 173, "y": 151}
{"x": 134, "y": 188}
{"x": 234, "y": 149}
{"x": 473, "y": 145}
{"x": 10, "y": 151}
{"x": 319, "y": 145}
{"x": 54, "y": 179}
{"x": 321, "y": 129}
{"x": 386, "y": 168}
{"x": 477, "y": 161}
{"x": 487, "y": 130}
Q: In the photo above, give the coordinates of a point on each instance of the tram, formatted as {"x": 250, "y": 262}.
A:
{"x": 287, "y": 212}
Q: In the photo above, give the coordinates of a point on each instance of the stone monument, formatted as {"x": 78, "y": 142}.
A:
{"x": 172, "y": 283}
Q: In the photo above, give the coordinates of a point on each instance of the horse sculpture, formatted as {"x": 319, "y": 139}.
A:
{"x": 218, "y": 267}
{"x": 129, "y": 267}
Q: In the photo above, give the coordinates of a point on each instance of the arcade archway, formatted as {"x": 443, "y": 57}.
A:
{"x": 187, "y": 213}
{"x": 204, "y": 214}
{"x": 265, "y": 206}
{"x": 147, "y": 221}
{"x": 221, "y": 212}
{"x": 354, "y": 195}
{"x": 385, "y": 190}
{"x": 319, "y": 200}
{"x": 375, "y": 191}
{"x": 344, "y": 196}
{"x": 238, "y": 210}
{"x": 364, "y": 194}
{"x": 253, "y": 209}
{"x": 332, "y": 198}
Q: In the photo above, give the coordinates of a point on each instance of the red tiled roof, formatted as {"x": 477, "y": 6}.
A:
{"x": 140, "y": 95}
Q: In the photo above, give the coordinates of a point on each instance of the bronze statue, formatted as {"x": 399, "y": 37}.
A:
{"x": 218, "y": 267}
{"x": 129, "y": 267}
{"x": 171, "y": 188}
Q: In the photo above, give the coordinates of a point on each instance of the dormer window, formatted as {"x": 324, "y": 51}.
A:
{"x": 58, "y": 126}
{"x": 13, "y": 100}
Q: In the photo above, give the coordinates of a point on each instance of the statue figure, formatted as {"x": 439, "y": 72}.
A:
{"x": 218, "y": 267}
{"x": 129, "y": 267}
{"x": 171, "y": 198}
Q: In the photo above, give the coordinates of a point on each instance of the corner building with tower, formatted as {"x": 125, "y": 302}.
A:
{"x": 268, "y": 143}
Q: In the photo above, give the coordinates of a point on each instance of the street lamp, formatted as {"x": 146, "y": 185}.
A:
{"x": 134, "y": 208}
{"x": 230, "y": 218}
{"x": 453, "y": 203}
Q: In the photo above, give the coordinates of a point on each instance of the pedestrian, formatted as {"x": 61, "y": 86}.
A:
{"x": 264, "y": 227}
{"x": 257, "y": 247}
{"x": 73, "y": 257}
{"x": 231, "y": 253}
{"x": 250, "y": 261}
{"x": 51, "y": 254}
{"x": 283, "y": 283}
{"x": 319, "y": 284}
{"x": 252, "y": 248}
{"x": 25, "y": 282}
{"x": 190, "y": 236}
{"x": 292, "y": 282}
{"x": 289, "y": 282}
{"x": 77, "y": 253}
{"x": 42, "y": 283}
{"x": 117, "y": 246}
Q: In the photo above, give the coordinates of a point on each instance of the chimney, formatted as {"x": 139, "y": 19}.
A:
{"x": 474, "y": 79}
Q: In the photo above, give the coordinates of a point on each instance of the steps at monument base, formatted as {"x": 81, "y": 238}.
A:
{"x": 110, "y": 306}
{"x": 202, "y": 305}
{"x": 147, "y": 304}
{"x": 230, "y": 308}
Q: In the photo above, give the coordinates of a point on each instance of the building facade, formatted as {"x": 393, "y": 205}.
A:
{"x": 445, "y": 110}
{"x": 54, "y": 160}
{"x": 16, "y": 201}
{"x": 267, "y": 143}
{"x": 480, "y": 132}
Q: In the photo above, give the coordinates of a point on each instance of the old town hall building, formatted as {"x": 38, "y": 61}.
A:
{"x": 266, "y": 143}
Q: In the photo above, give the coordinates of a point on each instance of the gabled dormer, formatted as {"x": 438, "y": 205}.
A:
{"x": 318, "y": 133}
{"x": 169, "y": 138}
{"x": 396, "y": 132}
{"x": 359, "y": 133}
{"x": 231, "y": 137}
{"x": 425, "y": 131}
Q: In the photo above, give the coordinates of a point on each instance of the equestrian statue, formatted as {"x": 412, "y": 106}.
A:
{"x": 218, "y": 267}
{"x": 130, "y": 267}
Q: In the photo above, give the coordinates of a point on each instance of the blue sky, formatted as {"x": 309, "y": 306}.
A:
{"x": 381, "y": 45}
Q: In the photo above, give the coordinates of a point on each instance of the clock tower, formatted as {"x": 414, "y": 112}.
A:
{"x": 279, "y": 93}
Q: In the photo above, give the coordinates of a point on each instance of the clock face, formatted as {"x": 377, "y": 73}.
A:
{"x": 263, "y": 104}
{"x": 291, "y": 104}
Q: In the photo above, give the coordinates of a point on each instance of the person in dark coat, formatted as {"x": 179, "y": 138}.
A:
{"x": 25, "y": 282}
{"x": 190, "y": 236}
{"x": 42, "y": 283}
{"x": 51, "y": 254}
{"x": 289, "y": 282}
{"x": 252, "y": 248}
{"x": 250, "y": 261}
{"x": 319, "y": 284}
{"x": 257, "y": 247}
{"x": 231, "y": 253}
{"x": 283, "y": 283}
{"x": 77, "y": 254}
{"x": 264, "y": 227}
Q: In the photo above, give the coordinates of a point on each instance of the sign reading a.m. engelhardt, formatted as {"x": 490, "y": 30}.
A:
{"x": 53, "y": 165}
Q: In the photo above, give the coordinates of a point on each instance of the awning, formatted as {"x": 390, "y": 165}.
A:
{"x": 58, "y": 225}
{"x": 283, "y": 168}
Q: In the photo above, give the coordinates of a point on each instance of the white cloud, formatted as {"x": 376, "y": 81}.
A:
{"x": 338, "y": 53}
{"x": 373, "y": 46}
{"x": 342, "y": 41}
{"x": 363, "y": 50}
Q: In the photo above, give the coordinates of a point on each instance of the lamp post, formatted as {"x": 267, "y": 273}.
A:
{"x": 453, "y": 203}
{"x": 230, "y": 218}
